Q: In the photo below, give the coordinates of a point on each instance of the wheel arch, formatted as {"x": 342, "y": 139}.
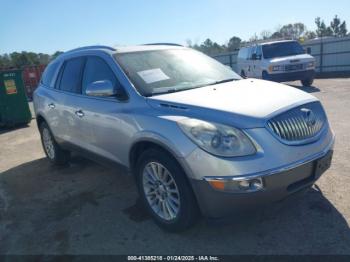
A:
{"x": 40, "y": 119}
{"x": 144, "y": 144}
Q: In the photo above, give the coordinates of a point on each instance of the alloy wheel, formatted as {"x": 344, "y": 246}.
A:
{"x": 161, "y": 191}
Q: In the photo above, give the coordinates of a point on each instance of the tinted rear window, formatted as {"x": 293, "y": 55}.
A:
{"x": 71, "y": 77}
{"x": 48, "y": 75}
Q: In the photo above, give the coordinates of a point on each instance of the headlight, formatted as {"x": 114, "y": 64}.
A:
{"x": 217, "y": 139}
{"x": 310, "y": 64}
{"x": 276, "y": 68}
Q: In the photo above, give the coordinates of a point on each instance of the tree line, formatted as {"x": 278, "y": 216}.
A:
{"x": 19, "y": 60}
{"x": 298, "y": 31}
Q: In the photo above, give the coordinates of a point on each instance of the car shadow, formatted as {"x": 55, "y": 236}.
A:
{"x": 308, "y": 89}
{"x": 86, "y": 208}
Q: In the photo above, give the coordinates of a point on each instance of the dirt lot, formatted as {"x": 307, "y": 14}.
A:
{"x": 91, "y": 209}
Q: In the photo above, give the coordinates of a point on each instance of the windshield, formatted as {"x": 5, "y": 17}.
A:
{"x": 282, "y": 49}
{"x": 172, "y": 70}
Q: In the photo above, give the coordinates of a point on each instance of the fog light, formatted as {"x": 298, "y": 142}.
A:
{"x": 236, "y": 185}
{"x": 245, "y": 184}
{"x": 256, "y": 184}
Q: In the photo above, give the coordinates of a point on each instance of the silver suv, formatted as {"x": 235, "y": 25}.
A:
{"x": 198, "y": 138}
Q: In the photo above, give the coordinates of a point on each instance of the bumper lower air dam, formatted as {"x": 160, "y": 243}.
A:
{"x": 277, "y": 186}
{"x": 291, "y": 76}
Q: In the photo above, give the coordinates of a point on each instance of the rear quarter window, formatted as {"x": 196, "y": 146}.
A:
{"x": 48, "y": 77}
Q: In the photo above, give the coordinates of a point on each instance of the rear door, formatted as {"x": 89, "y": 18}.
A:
{"x": 69, "y": 89}
{"x": 50, "y": 102}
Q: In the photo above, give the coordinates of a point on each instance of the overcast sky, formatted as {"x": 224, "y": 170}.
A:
{"x": 46, "y": 26}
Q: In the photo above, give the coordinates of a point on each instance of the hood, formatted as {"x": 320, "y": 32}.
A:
{"x": 303, "y": 58}
{"x": 246, "y": 103}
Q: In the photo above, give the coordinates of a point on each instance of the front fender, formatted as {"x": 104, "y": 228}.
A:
{"x": 177, "y": 144}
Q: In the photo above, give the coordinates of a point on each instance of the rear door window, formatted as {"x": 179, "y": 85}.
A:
{"x": 71, "y": 75}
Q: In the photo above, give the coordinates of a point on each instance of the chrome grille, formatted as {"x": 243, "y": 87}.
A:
{"x": 293, "y": 67}
{"x": 300, "y": 124}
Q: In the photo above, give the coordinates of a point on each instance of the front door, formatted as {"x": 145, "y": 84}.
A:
{"x": 102, "y": 120}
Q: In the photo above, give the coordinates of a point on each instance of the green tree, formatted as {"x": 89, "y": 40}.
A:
{"x": 294, "y": 31}
{"x": 322, "y": 29}
{"x": 309, "y": 35}
{"x": 276, "y": 35}
{"x": 56, "y": 54}
{"x": 210, "y": 47}
{"x": 43, "y": 59}
{"x": 253, "y": 38}
{"x": 32, "y": 58}
{"x": 338, "y": 27}
{"x": 5, "y": 61}
{"x": 265, "y": 35}
{"x": 234, "y": 43}
{"x": 18, "y": 59}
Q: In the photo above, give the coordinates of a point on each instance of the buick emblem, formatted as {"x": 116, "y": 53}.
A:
{"x": 309, "y": 116}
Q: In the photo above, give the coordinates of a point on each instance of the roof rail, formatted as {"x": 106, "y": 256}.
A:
{"x": 171, "y": 44}
{"x": 92, "y": 47}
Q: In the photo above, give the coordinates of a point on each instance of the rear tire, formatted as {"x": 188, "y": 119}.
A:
{"x": 53, "y": 151}
{"x": 165, "y": 191}
{"x": 307, "y": 82}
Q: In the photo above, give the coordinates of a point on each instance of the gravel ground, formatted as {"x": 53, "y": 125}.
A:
{"x": 87, "y": 208}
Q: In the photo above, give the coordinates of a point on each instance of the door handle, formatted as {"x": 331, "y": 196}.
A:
{"x": 79, "y": 113}
{"x": 51, "y": 105}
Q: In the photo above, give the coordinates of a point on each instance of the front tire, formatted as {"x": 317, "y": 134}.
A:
{"x": 307, "y": 82}
{"x": 165, "y": 191}
{"x": 265, "y": 75}
{"x": 53, "y": 151}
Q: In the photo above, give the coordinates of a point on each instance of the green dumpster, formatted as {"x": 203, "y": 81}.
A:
{"x": 14, "y": 108}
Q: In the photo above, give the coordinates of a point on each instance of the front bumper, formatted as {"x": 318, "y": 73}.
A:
{"x": 291, "y": 76}
{"x": 277, "y": 186}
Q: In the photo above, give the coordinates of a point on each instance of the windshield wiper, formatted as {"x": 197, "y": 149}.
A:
{"x": 222, "y": 81}
{"x": 173, "y": 90}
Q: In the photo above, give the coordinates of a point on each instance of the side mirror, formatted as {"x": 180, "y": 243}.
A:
{"x": 100, "y": 88}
